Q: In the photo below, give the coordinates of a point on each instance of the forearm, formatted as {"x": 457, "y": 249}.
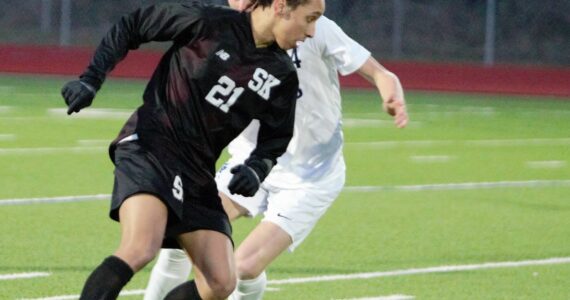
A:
{"x": 386, "y": 82}
{"x": 268, "y": 149}
{"x": 390, "y": 90}
{"x": 165, "y": 22}
{"x": 113, "y": 48}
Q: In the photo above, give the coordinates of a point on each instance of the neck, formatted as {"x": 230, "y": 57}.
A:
{"x": 261, "y": 26}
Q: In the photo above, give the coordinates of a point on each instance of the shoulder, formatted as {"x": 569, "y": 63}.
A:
{"x": 288, "y": 71}
{"x": 326, "y": 27}
{"x": 197, "y": 8}
{"x": 282, "y": 63}
{"x": 328, "y": 34}
{"x": 217, "y": 13}
{"x": 284, "y": 69}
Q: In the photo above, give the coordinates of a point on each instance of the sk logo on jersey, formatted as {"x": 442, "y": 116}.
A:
{"x": 262, "y": 82}
{"x": 223, "y": 55}
{"x": 225, "y": 94}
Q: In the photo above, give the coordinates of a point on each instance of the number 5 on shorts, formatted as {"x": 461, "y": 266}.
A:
{"x": 177, "y": 191}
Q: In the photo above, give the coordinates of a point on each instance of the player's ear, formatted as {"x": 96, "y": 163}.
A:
{"x": 279, "y": 7}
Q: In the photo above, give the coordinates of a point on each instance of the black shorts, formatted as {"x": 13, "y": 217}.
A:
{"x": 137, "y": 171}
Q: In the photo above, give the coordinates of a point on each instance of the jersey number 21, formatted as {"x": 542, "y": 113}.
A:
{"x": 225, "y": 87}
{"x": 261, "y": 83}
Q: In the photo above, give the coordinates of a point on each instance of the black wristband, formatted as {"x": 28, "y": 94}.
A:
{"x": 92, "y": 79}
{"x": 261, "y": 167}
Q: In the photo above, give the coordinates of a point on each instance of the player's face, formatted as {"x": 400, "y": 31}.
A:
{"x": 296, "y": 25}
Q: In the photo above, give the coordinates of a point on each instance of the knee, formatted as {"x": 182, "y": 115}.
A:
{"x": 137, "y": 256}
{"x": 248, "y": 269}
{"x": 222, "y": 287}
{"x": 173, "y": 255}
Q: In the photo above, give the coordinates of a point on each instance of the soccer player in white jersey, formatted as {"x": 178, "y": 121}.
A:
{"x": 308, "y": 177}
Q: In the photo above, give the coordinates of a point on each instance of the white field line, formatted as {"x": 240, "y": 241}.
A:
{"x": 431, "y": 270}
{"x": 93, "y": 143}
{"x": 362, "y": 189}
{"x": 391, "y": 297}
{"x": 68, "y": 297}
{"x": 123, "y": 293}
{"x": 28, "y": 201}
{"x": 547, "y": 164}
{"x": 7, "y": 137}
{"x": 461, "y": 186}
{"x": 24, "y": 119}
{"x": 437, "y": 107}
{"x": 485, "y": 143}
{"x": 6, "y": 109}
{"x": 6, "y": 88}
{"x": 358, "y": 276}
{"x": 50, "y": 150}
{"x": 93, "y": 113}
{"x": 383, "y": 144}
{"x": 519, "y": 142}
{"x": 431, "y": 158}
{"x": 403, "y": 272}
{"x": 366, "y": 123}
{"x": 445, "y": 114}
{"x": 23, "y": 275}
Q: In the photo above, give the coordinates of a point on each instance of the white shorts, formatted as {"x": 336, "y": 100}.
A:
{"x": 295, "y": 210}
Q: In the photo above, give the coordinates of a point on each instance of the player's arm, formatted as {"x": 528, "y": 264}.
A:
{"x": 275, "y": 133}
{"x": 164, "y": 22}
{"x": 390, "y": 89}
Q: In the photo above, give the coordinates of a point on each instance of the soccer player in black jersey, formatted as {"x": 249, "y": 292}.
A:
{"x": 224, "y": 69}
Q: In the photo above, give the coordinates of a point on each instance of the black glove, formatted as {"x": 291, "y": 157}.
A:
{"x": 77, "y": 95}
{"x": 245, "y": 181}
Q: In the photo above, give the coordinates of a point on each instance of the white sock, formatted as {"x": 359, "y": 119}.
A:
{"x": 172, "y": 268}
{"x": 251, "y": 289}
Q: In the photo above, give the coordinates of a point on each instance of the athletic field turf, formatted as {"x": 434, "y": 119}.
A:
{"x": 471, "y": 201}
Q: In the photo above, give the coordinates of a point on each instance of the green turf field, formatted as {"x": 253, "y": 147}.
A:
{"x": 471, "y": 201}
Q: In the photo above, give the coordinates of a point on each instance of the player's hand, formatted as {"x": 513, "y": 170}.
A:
{"x": 397, "y": 108}
{"x": 77, "y": 95}
{"x": 245, "y": 181}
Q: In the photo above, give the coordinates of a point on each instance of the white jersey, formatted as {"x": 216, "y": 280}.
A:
{"x": 316, "y": 147}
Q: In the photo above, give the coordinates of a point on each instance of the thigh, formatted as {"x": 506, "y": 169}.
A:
{"x": 297, "y": 211}
{"x": 143, "y": 216}
{"x": 211, "y": 253}
{"x": 143, "y": 222}
{"x": 265, "y": 242}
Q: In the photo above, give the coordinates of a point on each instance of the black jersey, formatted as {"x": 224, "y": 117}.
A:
{"x": 207, "y": 87}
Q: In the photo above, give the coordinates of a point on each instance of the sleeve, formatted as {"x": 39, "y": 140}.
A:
{"x": 163, "y": 22}
{"x": 347, "y": 54}
{"x": 276, "y": 131}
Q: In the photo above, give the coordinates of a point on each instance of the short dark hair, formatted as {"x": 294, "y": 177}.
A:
{"x": 292, "y": 3}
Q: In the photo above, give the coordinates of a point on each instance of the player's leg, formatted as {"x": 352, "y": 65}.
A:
{"x": 290, "y": 216}
{"x": 171, "y": 269}
{"x": 265, "y": 243}
{"x": 214, "y": 268}
{"x": 143, "y": 221}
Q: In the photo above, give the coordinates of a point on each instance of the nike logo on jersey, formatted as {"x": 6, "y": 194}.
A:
{"x": 262, "y": 83}
{"x": 284, "y": 217}
{"x": 223, "y": 55}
